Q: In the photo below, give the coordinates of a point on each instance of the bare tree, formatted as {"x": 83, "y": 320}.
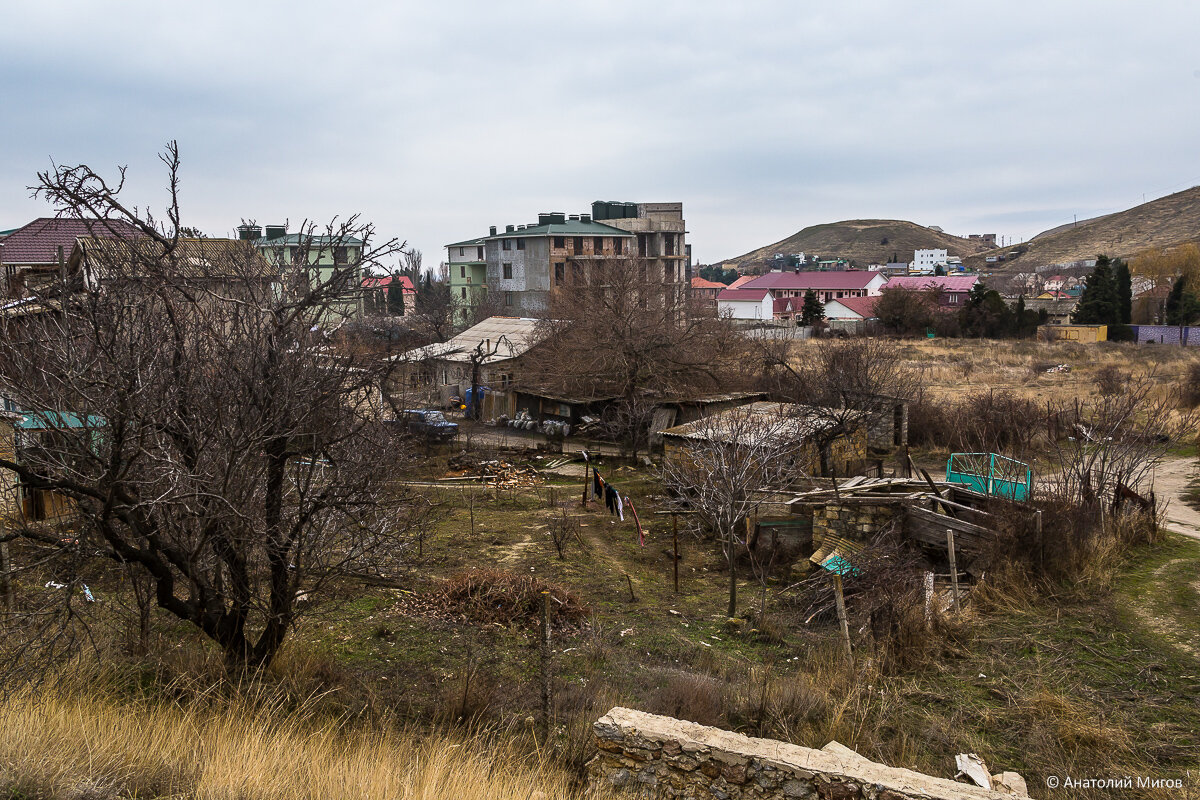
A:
{"x": 847, "y": 384}
{"x": 1113, "y": 440}
{"x": 724, "y": 460}
{"x": 203, "y": 431}
{"x": 616, "y": 328}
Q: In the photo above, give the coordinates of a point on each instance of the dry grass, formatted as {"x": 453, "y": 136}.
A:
{"x": 65, "y": 745}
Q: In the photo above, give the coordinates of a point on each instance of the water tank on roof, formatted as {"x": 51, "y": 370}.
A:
{"x": 249, "y": 233}
{"x": 545, "y": 218}
{"x": 558, "y": 217}
{"x": 276, "y": 231}
{"x": 599, "y": 210}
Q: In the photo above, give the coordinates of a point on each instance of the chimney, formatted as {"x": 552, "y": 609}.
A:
{"x": 585, "y": 217}
{"x": 492, "y": 231}
{"x": 797, "y": 270}
{"x": 574, "y": 217}
{"x": 509, "y": 228}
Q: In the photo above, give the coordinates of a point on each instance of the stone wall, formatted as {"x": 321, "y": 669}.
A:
{"x": 651, "y": 756}
{"x": 856, "y": 521}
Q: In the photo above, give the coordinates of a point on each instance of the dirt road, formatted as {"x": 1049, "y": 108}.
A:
{"x": 1171, "y": 480}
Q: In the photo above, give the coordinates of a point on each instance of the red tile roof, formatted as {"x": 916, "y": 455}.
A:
{"x": 948, "y": 283}
{"x": 383, "y": 281}
{"x": 38, "y": 242}
{"x": 741, "y": 281}
{"x": 863, "y": 306}
{"x": 703, "y": 283}
{"x": 743, "y": 294}
{"x": 849, "y": 279}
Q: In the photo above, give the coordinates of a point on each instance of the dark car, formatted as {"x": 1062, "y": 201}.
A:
{"x": 428, "y": 424}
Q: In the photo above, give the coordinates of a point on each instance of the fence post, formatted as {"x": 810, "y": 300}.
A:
{"x": 545, "y": 665}
{"x": 6, "y": 589}
{"x": 840, "y": 598}
{"x": 953, "y": 569}
{"x": 675, "y": 544}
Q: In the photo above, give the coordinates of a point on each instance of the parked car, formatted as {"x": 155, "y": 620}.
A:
{"x": 429, "y": 424}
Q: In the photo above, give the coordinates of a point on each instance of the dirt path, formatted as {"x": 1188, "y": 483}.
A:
{"x": 1171, "y": 480}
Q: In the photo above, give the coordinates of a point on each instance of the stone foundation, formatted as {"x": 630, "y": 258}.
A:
{"x": 652, "y": 756}
{"x": 858, "y": 522}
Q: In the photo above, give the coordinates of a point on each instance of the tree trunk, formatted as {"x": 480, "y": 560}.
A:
{"x": 731, "y": 554}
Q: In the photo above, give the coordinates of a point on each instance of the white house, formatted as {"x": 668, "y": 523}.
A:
{"x": 927, "y": 261}
{"x": 746, "y": 304}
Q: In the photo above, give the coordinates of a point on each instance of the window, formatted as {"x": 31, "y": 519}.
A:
{"x": 839, "y": 295}
{"x": 617, "y": 246}
{"x": 508, "y": 298}
{"x": 462, "y": 251}
{"x": 462, "y": 272}
{"x": 560, "y": 242}
{"x": 520, "y": 244}
{"x": 597, "y": 245}
{"x": 578, "y": 245}
{"x": 506, "y": 244}
{"x": 560, "y": 272}
{"x": 340, "y": 255}
{"x": 669, "y": 242}
{"x": 642, "y": 245}
{"x": 507, "y": 267}
{"x": 464, "y": 292}
{"x": 479, "y": 254}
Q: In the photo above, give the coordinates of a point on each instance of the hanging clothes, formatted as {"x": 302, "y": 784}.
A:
{"x": 637, "y": 522}
{"x": 610, "y": 499}
{"x": 620, "y": 507}
{"x": 597, "y": 485}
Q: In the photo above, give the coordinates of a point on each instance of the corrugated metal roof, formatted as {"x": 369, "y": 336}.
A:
{"x": 949, "y": 283}
{"x": 756, "y": 423}
{"x": 469, "y": 242}
{"x": 572, "y": 227}
{"x": 743, "y": 294}
{"x": 292, "y": 239}
{"x": 511, "y": 337}
{"x": 850, "y": 279}
{"x": 192, "y": 258}
{"x": 862, "y": 306}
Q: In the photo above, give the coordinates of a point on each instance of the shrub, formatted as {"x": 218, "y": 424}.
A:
{"x": 1189, "y": 389}
{"x": 1110, "y": 380}
{"x": 494, "y": 595}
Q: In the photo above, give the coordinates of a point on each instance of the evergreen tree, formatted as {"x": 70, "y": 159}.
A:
{"x": 812, "y": 311}
{"x": 1183, "y": 307}
{"x": 395, "y": 296}
{"x": 1124, "y": 287}
{"x": 1099, "y": 304}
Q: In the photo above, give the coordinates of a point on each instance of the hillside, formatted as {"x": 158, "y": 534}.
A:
{"x": 1164, "y": 222}
{"x": 863, "y": 241}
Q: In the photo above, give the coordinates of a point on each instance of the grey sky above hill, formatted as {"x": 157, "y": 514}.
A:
{"x": 436, "y": 120}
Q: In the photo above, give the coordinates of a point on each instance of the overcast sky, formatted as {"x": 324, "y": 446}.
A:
{"x": 438, "y": 119}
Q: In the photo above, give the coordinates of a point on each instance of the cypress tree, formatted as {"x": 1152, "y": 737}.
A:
{"x": 1099, "y": 305}
{"x": 812, "y": 311}
{"x": 1124, "y": 286}
{"x": 395, "y": 296}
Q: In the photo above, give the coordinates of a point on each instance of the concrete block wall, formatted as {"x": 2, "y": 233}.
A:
{"x": 653, "y": 756}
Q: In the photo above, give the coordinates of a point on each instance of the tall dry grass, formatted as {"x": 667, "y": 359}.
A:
{"x": 75, "y": 745}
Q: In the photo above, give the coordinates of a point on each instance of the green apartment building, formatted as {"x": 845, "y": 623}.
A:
{"x": 320, "y": 258}
{"x": 468, "y": 277}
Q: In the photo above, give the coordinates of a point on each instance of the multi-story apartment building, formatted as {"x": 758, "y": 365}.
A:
{"x": 523, "y": 264}
{"x": 467, "y": 266}
{"x": 321, "y": 258}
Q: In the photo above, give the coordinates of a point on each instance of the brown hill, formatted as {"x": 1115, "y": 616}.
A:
{"x": 863, "y": 241}
{"x": 1164, "y": 222}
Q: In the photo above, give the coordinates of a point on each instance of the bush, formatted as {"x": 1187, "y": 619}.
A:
{"x": 1189, "y": 389}
{"x": 1110, "y": 380}
{"x": 1120, "y": 333}
{"x": 494, "y": 595}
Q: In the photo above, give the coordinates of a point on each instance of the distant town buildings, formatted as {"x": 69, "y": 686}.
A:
{"x": 927, "y": 261}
